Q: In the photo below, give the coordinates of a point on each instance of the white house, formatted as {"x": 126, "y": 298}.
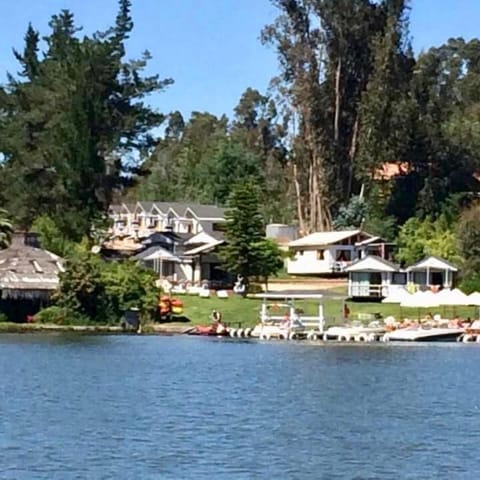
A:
{"x": 374, "y": 277}
{"x": 331, "y": 252}
{"x": 198, "y": 230}
{"x": 144, "y": 218}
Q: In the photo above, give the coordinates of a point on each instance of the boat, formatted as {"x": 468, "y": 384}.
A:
{"x": 216, "y": 329}
{"x": 208, "y": 331}
{"x": 422, "y": 334}
{"x": 357, "y": 333}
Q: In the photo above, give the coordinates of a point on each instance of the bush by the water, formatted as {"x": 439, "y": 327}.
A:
{"x": 3, "y": 318}
{"x": 102, "y": 291}
{"x": 59, "y": 316}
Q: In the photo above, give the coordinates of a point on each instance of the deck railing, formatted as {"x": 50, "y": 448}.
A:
{"x": 376, "y": 291}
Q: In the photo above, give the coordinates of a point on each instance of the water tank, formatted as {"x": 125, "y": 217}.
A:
{"x": 281, "y": 232}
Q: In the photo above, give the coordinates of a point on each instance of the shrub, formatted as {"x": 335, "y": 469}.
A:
{"x": 471, "y": 284}
{"x": 59, "y": 316}
{"x": 102, "y": 291}
{"x": 468, "y": 234}
{"x": 3, "y": 318}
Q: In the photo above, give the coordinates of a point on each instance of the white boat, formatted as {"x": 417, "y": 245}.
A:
{"x": 418, "y": 334}
{"x": 357, "y": 333}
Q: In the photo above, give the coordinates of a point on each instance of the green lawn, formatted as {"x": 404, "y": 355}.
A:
{"x": 246, "y": 310}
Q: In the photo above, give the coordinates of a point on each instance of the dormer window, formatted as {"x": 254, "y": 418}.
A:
{"x": 37, "y": 266}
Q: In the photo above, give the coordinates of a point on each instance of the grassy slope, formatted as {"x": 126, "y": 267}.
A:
{"x": 237, "y": 309}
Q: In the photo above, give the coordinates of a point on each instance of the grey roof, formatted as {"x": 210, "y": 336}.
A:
{"x": 157, "y": 252}
{"x": 180, "y": 208}
{"x": 217, "y": 235}
{"x": 434, "y": 262}
{"x": 25, "y": 268}
{"x": 146, "y": 206}
{"x": 207, "y": 211}
{"x": 115, "y": 208}
{"x": 167, "y": 238}
{"x": 129, "y": 207}
{"x": 388, "y": 264}
{"x": 162, "y": 206}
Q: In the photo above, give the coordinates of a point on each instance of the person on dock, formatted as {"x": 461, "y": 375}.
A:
{"x": 217, "y": 324}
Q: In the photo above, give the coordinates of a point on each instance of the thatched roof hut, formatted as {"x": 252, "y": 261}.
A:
{"x": 28, "y": 272}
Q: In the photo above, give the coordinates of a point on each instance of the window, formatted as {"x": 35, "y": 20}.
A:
{"x": 37, "y": 267}
{"x": 218, "y": 227}
{"x": 420, "y": 278}
{"x": 399, "y": 278}
{"x": 320, "y": 254}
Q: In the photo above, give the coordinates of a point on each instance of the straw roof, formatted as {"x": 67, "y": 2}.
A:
{"x": 27, "y": 272}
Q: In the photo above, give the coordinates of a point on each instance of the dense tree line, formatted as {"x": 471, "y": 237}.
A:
{"x": 72, "y": 121}
{"x": 350, "y": 97}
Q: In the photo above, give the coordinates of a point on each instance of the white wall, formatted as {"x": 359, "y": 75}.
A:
{"x": 305, "y": 262}
{"x": 308, "y": 263}
{"x": 359, "y": 285}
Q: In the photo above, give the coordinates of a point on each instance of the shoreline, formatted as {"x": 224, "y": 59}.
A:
{"x": 149, "y": 329}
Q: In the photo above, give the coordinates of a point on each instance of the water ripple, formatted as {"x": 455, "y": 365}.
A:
{"x": 183, "y": 408}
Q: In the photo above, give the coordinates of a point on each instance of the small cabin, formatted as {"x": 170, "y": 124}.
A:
{"x": 374, "y": 277}
{"x": 432, "y": 273}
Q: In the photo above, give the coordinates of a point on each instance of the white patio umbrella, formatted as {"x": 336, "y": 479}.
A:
{"x": 453, "y": 297}
{"x": 474, "y": 299}
{"x": 396, "y": 296}
{"x": 420, "y": 300}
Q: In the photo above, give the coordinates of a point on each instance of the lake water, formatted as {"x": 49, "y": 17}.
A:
{"x": 140, "y": 407}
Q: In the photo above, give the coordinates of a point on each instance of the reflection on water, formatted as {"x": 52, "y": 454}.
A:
{"x": 197, "y": 408}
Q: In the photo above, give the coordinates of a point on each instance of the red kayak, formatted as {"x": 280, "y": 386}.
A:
{"x": 209, "y": 330}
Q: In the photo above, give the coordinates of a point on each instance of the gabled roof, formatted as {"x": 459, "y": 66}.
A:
{"x": 434, "y": 263}
{"x": 161, "y": 207}
{"x": 156, "y": 238}
{"x": 324, "y": 238}
{"x": 201, "y": 237}
{"x": 156, "y": 252}
{"x": 115, "y": 208}
{"x": 207, "y": 212}
{"x": 204, "y": 248}
{"x": 199, "y": 211}
{"x": 128, "y": 207}
{"x": 178, "y": 208}
{"x": 372, "y": 240}
{"x": 372, "y": 263}
{"x": 145, "y": 206}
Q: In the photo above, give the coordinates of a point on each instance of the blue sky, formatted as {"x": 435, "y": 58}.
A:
{"x": 210, "y": 48}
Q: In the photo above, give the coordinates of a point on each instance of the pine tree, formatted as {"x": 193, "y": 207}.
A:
{"x": 244, "y": 230}
{"x": 75, "y": 122}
